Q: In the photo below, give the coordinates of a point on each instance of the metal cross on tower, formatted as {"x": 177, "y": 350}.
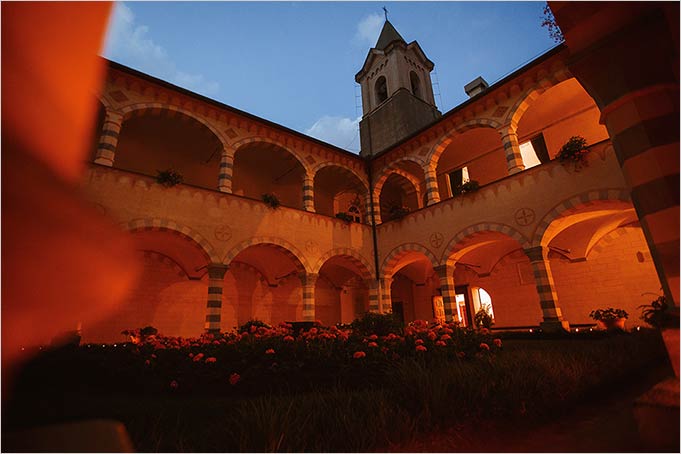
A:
{"x": 385, "y": 11}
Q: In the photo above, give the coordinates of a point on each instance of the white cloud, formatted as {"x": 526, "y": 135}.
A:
{"x": 369, "y": 28}
{"x": 129, "y": 43}
{"x": 342, "y": 132}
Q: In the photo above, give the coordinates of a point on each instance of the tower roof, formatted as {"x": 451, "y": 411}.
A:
{"x": 387, "y": 36}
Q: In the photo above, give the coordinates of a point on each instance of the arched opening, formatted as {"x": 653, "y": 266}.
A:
{"x": 599, "y": 258}
{"x": 495, "y": 262}
{"x": 482, "y": 300}
{"x": 381, "y": 90}
{"x": 265, "y": 168}
{"x": 338, "y": 190}
{"x": 476, "y": 154}
{"x": 398, "y": 197}
{"x": 171, "y": 140}
{"x": 414, "y": 285}
{"x": 341, "y": 293}
{"x": 263, "y": 283}
{"x": 97, "y": 130}
{"x": 415, "y": 84}
{"x": 562, "y": 111}
{"x": 170, "y": 293}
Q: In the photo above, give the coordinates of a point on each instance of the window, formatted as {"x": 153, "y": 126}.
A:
{"x": 381, "y": 89}
{"x": 534, "y": 152}
{"x": 355, "y": 213}
{"x": 415, "y": 84}
{"x": 457, "y": 178}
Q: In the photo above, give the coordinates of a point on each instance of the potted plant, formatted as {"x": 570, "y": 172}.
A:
{"x": 465, "y": 188}
{"x": 610, "y": 318}
{"x": 398, "y": 212}
{"x": 271, "y": 200}
{"x": 660, "y": 315}
{"x": 482, "y": 318}
{"x": 574, "y": 151}
{"x": 168, "y": 177}
{"x": 345, "y": 217}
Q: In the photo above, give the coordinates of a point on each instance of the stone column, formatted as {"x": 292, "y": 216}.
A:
{"x": 308, "y": 280}
{"x": 638, "y": 98}
{"x": 308, "y": 194}
{"x": 216, "y": 275}
{"x": 432, "y": 191}
{"x": 374, "y": 209}
{"x": 509, "y": 138}
{"x": 446, "y": 275}
{"x": 225, "y": 176}
{"x": 386, "y": 305}
{"x": 548, "y": 299}
{"x": 108, "y": 139}
{"x": 374, "y": 302}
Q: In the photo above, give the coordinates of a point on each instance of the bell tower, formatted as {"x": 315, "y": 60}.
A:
{"x": 397, "y": 94}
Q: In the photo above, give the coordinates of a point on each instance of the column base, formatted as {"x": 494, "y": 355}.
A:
{"x": 515, "y": 170}
{"x": 104, "y": 162}
{"x": 555, "y": 326}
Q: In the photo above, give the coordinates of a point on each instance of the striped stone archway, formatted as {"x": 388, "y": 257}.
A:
{"x": 388, "y": 268}
{"x": 439, "y": 147}
{"x": 455, "y": 243}
{"x": 352, "y": 255}
{"x": 280, "y": 244}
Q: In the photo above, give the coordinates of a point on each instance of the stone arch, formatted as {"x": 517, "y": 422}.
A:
{"x": 583, "y": 199}
{"x": 439, "y": 147}
{"x": 394, "y": 256}
{"x": 363, "y": 179}
{"x": 106, "y": 101}
{"x": 354, "y": 256}
{"x": 393, "y": 167}
{"x": 282, "y": 245}
{"x": 160, "y": 109}
{"x": 234, "y": 147}
{"x": 455, "y": 242}
{"x": 185, "y": 232}
{"x": 531, "y": 94}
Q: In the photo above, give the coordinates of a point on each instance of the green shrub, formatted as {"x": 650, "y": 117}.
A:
{"x": 465, "y": 188}
{"x": 168, "y": 177}
{"x": 482, "y": 318}
{"x": 271, "y": 200}
{"x": 574, "y": 151}
{"x": 345, "y": 217}
{"x": 379, "y": 324}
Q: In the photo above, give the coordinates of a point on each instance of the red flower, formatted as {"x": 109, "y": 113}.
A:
{"x": 497, "y": 343}
{"x": 373, "y": 337}
{"x": 445, "y": 337}
{"x": 440, "y": 344}
{"x": 372, "y": 344}
{"x": 252, "y": 329}
{"x": 234, "y": 379}
{"x": 198, "y": 357}
{"x": 211, "y": 359}
{"x": 288, "y": 338}
{"x": 431, "y": 335}
{"x": 269, "y": 351}
{"x": 461, "y": 355}
{"x": 419, "y": 341}
{"x": 484, "y": 346}
{"x": 174, "y": 384}
{"x": 421, "y": 348}
{"x": 147, "y": 362}
{"x": 359, "y": 354}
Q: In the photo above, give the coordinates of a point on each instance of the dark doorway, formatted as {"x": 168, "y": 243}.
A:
{"x": 398, "y": 310}
{"x": 466, "y": 314}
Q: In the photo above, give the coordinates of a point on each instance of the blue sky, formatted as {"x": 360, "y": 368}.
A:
{"x": 294, "y": 62}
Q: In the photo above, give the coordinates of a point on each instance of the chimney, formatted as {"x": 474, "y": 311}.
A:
{"x": 475, "y": 87}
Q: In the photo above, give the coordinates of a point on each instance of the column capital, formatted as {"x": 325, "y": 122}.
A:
{"x": 217, "y": 270}
{"x": 308, "y": 278}
{"x": 113, "y": 116}
{"x": 444, "y": 270}
{"x": 509, "y": 128}
{"x": 537, "y": 253}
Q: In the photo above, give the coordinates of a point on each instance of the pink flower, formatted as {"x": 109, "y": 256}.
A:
{"x": 445, "y": 337}
{"x": 421, "y": 348}
{"x": 313, "y": 331}
{"x": 372, "y": 344}
{"x": 497, "y": 342}
{"x": 234, "y": 379}
{"x": 191, "y": 355}
{"x": 211, "y": 359}
{"x": 288, "y": 338}
{"x": 147, "y": 362}
{"x": 153, "y": 356}
{"x": 269, "y": 351}
{"x": 484, "y": 346}
{"x": 174, "y": 384}
{"x": 198, "y": 357}
{"x": 359, "y": 354}
{"x": 484, "y": 331}
{"x": 431, "y": 335}
{"x": 373, "y": 337}
{"x": 461, "y": 355}
{"x": 419, "y": 341}
{"x": 440, "y": 344}
{"x": 252, "y": 329}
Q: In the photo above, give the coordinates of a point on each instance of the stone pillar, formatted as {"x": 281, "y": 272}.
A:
{"x": 446, "y": 275}
{"x": 638, "y": 98}
{"x": 386, "y": 304}
{"x": 216, "y": 275}
{"x": 509, "y": 138}
{"x": 374, "y": 302}
{"x": 432, "y": 191}
{"x": 374, "y": 209}
{"x": 108, "y": 139}
{"x": 225, "y": 177}
{"x": 308, "y": 280}
{"x": 308, "y": 194}
{"x": 548, "y": 299}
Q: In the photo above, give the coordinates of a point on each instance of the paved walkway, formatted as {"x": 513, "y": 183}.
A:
{"x": 607, "y": 425}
